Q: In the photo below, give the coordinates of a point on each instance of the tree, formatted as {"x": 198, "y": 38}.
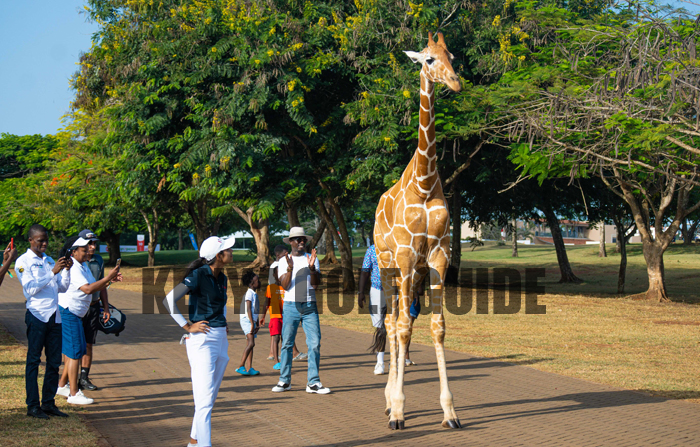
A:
{"x": 623, "y": 106}
{"x": 23, "y": 165}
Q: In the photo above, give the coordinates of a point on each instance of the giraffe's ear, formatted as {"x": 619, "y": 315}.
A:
{"x": 415, "y": 57}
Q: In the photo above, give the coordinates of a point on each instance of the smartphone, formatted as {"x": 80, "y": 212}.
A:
{"x": 119, "y": 262}
{"x": 12, "y": 243}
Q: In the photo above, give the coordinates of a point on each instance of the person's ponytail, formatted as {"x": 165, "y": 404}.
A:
{"x": 197, "y": 263}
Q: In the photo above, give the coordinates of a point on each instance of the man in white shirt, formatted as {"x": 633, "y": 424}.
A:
{"x": 299, "y": 277}
{"x": 41, "y": 280}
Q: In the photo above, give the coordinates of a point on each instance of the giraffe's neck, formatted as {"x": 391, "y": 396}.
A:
{"x": 425, "y": 159}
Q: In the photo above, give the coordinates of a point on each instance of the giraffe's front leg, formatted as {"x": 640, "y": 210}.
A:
{"x": 398, "y": 398}
{"x": 403, "y": 335}
{"x": 438, "y": 266}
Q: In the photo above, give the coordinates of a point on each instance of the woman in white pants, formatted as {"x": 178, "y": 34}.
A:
{"x": 207, "y": 344}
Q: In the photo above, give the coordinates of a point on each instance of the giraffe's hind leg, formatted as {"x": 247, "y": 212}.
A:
{"x": 438, "y": 265}
{"x": 390, "y": 323}
{"x": 387, "y": 275}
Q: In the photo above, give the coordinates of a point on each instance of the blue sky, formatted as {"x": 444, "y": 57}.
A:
{"x": 40, "y": 42}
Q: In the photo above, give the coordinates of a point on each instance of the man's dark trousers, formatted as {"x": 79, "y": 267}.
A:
{"x": 42, "y": 335}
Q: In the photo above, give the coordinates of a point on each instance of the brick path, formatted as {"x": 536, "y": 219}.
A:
{"x": 146, "y": 398}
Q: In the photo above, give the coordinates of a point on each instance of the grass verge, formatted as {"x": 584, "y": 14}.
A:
{"x": 16, "y": 428}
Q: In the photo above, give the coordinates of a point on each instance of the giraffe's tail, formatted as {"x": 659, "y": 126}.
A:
{"x": 379, "y": 340}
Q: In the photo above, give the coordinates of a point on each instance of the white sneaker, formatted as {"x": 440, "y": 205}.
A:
{"x": 379, "y": 369}
{"x": 192, "y": 445}
{"x": 80, "y": 399}
{"x": 63, "y": 390}
{"x": 301, "y": 356}
{"x": 317, "y": 388}
{"x": 281, "y": 386}
{"x": 410, "y": 362}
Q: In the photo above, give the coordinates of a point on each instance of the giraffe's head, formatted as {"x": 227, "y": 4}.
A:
{"x": 437, "y": 63}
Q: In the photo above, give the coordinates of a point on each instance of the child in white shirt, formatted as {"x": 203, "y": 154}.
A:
{"x": 249, "y": 322}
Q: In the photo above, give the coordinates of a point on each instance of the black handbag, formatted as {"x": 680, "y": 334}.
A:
{"x": 116, "y": 322}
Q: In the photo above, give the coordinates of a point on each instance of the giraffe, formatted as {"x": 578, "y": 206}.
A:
{"x": 412, "y": 235}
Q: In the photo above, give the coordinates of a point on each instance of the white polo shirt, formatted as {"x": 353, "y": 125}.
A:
{"x": 74, "y": 299}
{"x": 40, "y": 285}
{"x": 305, "y": 291}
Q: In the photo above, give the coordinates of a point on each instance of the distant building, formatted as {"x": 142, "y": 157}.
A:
{"x": 573, "y": 233}
{"x": 246, "y": 241}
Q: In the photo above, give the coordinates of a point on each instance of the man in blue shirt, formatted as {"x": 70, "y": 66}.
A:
{"x": 377, "y": 307}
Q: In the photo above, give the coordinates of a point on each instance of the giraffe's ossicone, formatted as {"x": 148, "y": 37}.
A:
{"x": 412, "y": 236}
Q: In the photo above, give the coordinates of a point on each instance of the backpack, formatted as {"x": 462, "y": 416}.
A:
{"x": 116, "y": 321}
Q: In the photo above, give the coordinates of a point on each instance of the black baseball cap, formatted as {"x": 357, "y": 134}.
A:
{"x": 89, "y": 235}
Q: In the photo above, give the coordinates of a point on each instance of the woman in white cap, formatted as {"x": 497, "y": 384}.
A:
{"x": 207, "y": 344}
{"x": 73, "y": 305}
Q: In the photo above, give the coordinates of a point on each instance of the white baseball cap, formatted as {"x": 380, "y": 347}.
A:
{"x": 213, "y": 245}
{"x": 80, "y": 242}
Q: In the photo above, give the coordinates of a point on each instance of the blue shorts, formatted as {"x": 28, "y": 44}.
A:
{"x": 415, "y": 309}
{"x": 247, "y": 326}
{"x": 74, "y": 346}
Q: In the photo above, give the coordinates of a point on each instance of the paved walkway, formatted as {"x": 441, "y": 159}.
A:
{"x": 146, "y": 400}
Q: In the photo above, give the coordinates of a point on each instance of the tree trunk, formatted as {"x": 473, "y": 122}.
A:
{"x": 688, "y": 231}
{"x": 261, "y": 233}
{"x": 292, "y": 215}
{"x": 515, "y": 238}
{"x": 654, "y": 257}
{"x": 320, "y": 230}
{"x": 199, "y": 211}
{"x": 180, "y": 242}
{"x": 112, "y": 240}
{"x": 621, "y": 238}
{"x": 260, "y": 229}
{"x": 330, "y": 257}
{"x": 341, "y": 239}
{"x": 567, "y": 274}
{"x": 452, "y": 275}
{"x": 152, "y": 225}
{"x": 601, "y": 248}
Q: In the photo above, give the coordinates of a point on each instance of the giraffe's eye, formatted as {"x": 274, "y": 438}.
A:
{"x": 429, "y": 61}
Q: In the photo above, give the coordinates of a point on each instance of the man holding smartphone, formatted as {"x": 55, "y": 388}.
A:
{"x": 91, "y": 321}
{"x": 42, "y": 279}
{"x": 8, "y": 257}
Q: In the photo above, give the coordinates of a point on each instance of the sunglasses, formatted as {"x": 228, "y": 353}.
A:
{"x": 297, "y": 239}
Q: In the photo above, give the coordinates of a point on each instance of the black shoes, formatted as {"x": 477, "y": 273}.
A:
{"x": 53, "y": 411}
{"x": 37, "y": 412}
{"x": 85, "y": 384}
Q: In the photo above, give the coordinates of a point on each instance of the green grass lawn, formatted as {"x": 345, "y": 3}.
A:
{"x": 599, "y": 275}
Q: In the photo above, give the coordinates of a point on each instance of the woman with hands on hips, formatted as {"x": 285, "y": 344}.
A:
{"x": 206, "y": 341}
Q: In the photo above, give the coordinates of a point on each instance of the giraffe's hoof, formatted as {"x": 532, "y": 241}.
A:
{"x": 396, "y": 425}
{"x": 387, "y": 411}
{"x": 451, "y": 423}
